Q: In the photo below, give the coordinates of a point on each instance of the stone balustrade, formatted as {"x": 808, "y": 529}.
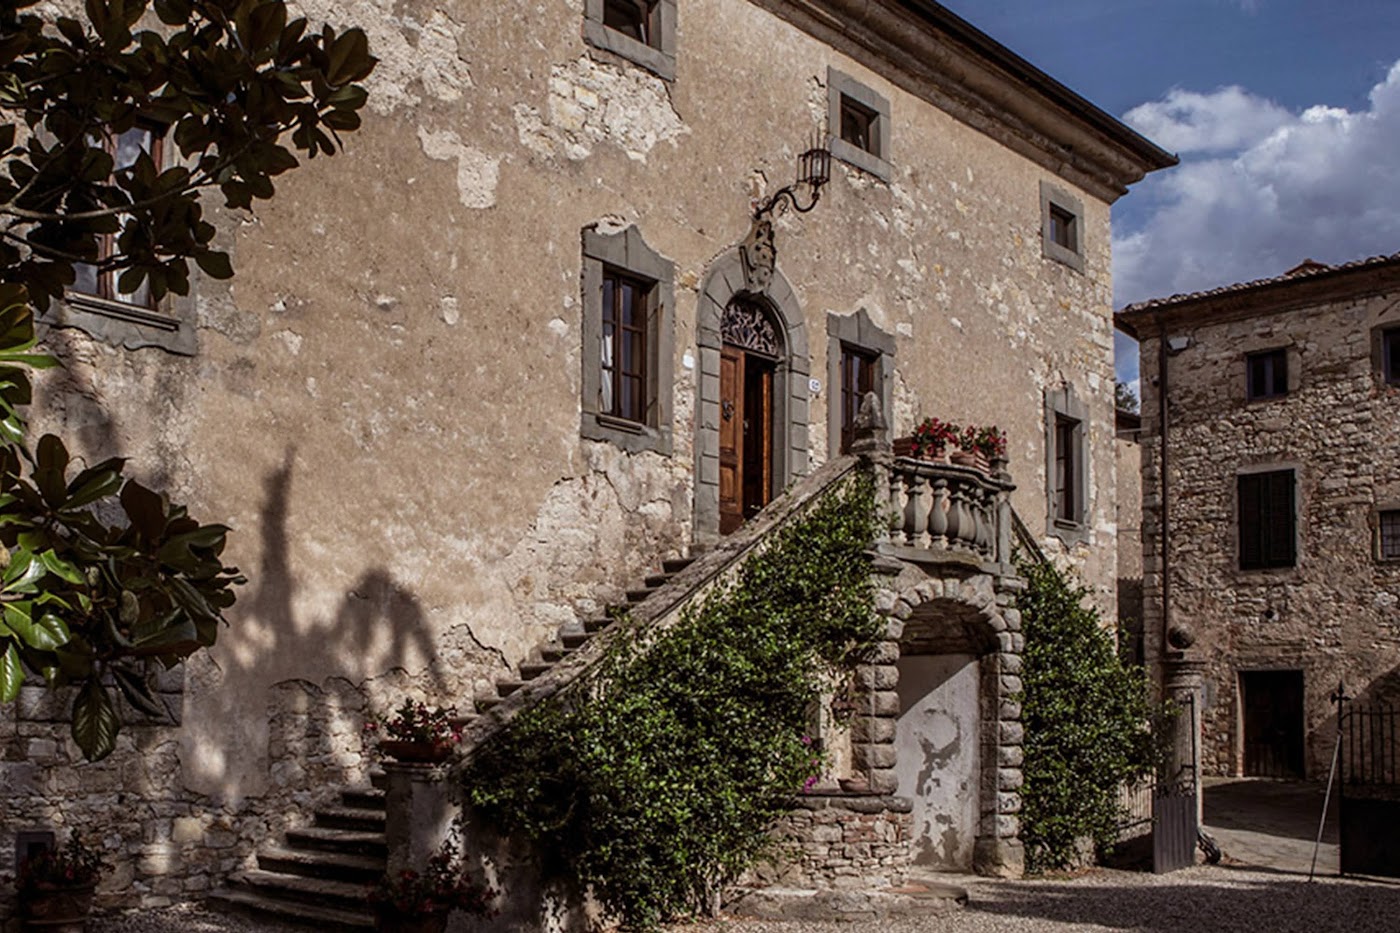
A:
{"x": 943, "y": 512}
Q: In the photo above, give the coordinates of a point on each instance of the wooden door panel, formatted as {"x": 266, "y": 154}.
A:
{"x": 731, "y": 439}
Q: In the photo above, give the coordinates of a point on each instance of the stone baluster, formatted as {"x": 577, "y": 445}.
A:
{"x": 983, "y": 540}
{"x": 916, "y": 511}
{"x": 897, "y": 506}
{"x": 938, "y": 516}
{"x": 957, "y": 520}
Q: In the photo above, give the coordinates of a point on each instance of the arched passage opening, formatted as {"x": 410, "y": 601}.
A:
{"x": 944, "y": 736}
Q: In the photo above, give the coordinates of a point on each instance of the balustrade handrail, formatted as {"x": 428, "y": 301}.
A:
{"x": 944, "y": 511}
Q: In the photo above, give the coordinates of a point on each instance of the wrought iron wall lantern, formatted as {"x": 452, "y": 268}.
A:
{"x": 759, "y": 250}
{"x": 813, "y": 171}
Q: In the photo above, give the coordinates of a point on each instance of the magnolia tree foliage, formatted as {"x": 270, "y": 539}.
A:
{"x": 102, "y": 576}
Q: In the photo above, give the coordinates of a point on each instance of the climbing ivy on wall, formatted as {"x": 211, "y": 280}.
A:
{"x": 1086, "y": 719}
{"x": 654, "y": 778}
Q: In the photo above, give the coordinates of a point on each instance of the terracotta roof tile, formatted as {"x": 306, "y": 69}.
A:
{"x": 1306, "y": 270}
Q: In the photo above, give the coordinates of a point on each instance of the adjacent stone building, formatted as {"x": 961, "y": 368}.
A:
{"x": 1279, "y": 549}
{"x": 524, "y": 341}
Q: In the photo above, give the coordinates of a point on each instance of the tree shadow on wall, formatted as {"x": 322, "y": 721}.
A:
{"x": 272, "y": 652}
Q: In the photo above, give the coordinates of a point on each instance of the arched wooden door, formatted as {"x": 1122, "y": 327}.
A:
{"x": 748, "y": 362}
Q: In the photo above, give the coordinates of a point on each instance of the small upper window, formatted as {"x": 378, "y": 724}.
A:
{"x": 1390, "y": 348}
{"x": 1267, "y": 374}
{"x": 1064, "y": 228}
{"x": 125, "y": 149}
{"x": 1061, "y": 226}
{"x": 635, "y": 19}
{"x": 641, "y": 31}
{"x": 1267, "y": 520}
{"x": 860, "y": 121}
{"x": 1388, "y": 534}
{"x": 860, "y": 126}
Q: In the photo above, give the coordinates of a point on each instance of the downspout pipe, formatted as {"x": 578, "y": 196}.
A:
{"x": 1164, "y": 528}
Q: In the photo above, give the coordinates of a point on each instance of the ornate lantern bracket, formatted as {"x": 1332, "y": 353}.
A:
{"x": 759, "y": 250}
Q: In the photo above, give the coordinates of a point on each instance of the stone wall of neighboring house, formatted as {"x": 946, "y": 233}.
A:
{"x": 1335, "y": 614}
{"x": 1127, "y": 453}
{"x": 384, "y": 404}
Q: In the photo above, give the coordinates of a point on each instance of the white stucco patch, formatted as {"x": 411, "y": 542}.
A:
{"x": 591, "y": 103}
{"x": 416, "y": 59}
{"x": 477, "y": 173}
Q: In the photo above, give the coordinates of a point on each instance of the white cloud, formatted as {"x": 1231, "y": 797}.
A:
{"x": 1187, "y": 121}
{"x": 1260, "y": 189}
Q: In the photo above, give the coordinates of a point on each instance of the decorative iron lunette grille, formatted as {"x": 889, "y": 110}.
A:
{"x": 745, "y": 326}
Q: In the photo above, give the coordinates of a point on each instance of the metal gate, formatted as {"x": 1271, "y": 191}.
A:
{"x": 1370, "y": 790}
{"x": 1175, "y": 821}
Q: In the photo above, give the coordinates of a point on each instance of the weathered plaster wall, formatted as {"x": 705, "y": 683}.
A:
{"x": 384, "y": 404}
{"x": 937, "y": 742}
{"x": 1332, "y": 616}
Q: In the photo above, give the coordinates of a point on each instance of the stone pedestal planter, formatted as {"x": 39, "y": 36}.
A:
{"x": 57, "y": 908}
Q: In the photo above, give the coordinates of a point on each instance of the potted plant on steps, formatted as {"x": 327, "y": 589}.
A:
{"x": 413, "y": 901}
{"x": 417, "y": 732}
{"x": 56, "y": 887}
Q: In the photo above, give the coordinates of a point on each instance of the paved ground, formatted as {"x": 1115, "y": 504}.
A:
{"x": 1272, "y": 824}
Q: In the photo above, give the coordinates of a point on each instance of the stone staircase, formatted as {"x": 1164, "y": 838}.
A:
{"x": 321, "y": 875}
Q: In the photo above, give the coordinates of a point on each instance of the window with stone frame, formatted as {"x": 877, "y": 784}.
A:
{"x": 1061, "y": 226}
{"x": 860, "y": 359}
{"x": 1267, "y": 520}
{"x": 859, "y": 117}
{"x": 1388, "y": 534}
{"x": 1390, "y": 355}
{"x": 107, "y": 304}
{"x": 860, "y": 373}
{"x": 1067, "y": 465}
{"x": 641, "y": 31}
{"x": 1266, "y": 374}
{"x": 628, "y": 335}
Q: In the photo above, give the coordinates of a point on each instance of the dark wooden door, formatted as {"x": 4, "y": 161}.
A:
{"x": 1273, "y": 723}
{"x": 745, "y": 436}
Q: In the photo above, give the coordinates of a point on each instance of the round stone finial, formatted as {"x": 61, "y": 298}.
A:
{"x": 1181, "y": 636}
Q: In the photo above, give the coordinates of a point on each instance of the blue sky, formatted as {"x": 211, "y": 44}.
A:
{"x": 1286, "y": 115}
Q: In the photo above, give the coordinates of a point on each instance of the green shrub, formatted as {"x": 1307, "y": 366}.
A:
{"x": 1086, "y": 721}
{"x": 655, "y": 778}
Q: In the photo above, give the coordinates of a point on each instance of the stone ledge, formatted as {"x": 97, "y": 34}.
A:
{"x": 855, "y": 803}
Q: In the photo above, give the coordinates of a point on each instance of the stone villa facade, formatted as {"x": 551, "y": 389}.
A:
{"x": 1282, "y": 543}
{"x": 523, "y": 342}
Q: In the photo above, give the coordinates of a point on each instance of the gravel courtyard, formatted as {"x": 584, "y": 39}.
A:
{"x": 1219, "y": 899}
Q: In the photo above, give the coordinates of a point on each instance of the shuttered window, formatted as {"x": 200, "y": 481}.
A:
{"x": 1267, "y": 520}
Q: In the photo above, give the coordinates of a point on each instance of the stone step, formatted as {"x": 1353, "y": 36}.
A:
{"x": 325, "y": 892}
{"x": 575, "y": 640}
{"x": 483, "y": 703}
{"x": 532, "y": 669}
{"x": 676, "y": 564}
{"x": 325, "y": 839}
{"x": 337, "y": 866}
{"x": 636, "y": 596}
{"x": 365, "y": 798}
{"x": 597, "y": 624}
{"x": 462, "y": 720}
{"x": 360, "y": 819}
{"x": 553, "y": 654}
{"x": 324, "y": 918}
{"x": 505, "y": 688}
{"x": 378, "y": 780}
{"x": 658, "y": 580}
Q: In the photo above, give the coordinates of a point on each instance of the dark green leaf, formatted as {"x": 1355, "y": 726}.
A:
{"x": 95, "y": 722}
{"x": 11, "y": 674}
{"x": 137, "y": 692}
{"x": 215, "y": 264}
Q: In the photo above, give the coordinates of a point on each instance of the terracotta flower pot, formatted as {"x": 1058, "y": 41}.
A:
{"x": 970, "y": 458}
{"x": 425, "y": 752}
{"x": 57, "y": 908}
